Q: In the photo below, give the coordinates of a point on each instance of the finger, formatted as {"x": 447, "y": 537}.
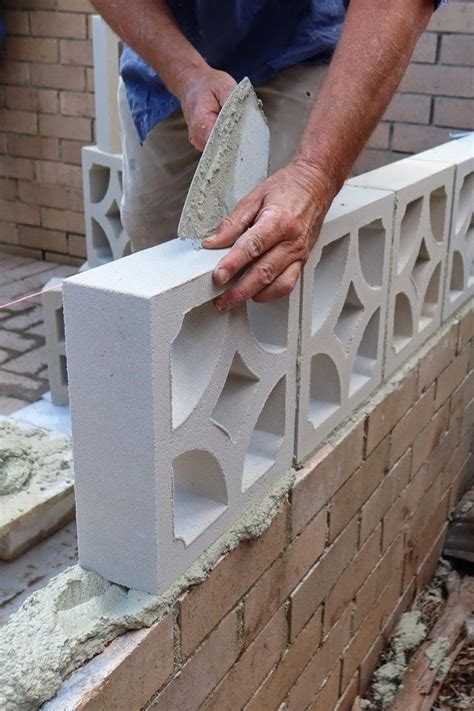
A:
{"x": 282, "y": 286}
{"x": 260, "y": 276}
{"x": 262, "y": 236}
{"x": 240, "y": 219}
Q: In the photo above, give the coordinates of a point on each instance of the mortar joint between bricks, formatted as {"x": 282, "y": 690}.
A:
{"x": 289, "y": 519}
{"x": 178, "y": 654}
{"x": 239, "y": 610}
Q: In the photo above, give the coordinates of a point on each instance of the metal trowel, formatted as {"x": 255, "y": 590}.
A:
{"x": 233, "y": 162}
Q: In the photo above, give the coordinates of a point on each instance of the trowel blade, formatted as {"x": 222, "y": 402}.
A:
{"x": 233, "y": 162}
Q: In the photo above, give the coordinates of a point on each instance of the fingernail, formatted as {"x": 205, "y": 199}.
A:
{"x": 209, "y": 238}
{"x": 221, "y": 275}
{"x": 221, "y": 305}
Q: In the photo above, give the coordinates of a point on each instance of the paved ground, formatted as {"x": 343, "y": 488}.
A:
{"x": 23, "y": 371}
{"x": 23, "y": 379}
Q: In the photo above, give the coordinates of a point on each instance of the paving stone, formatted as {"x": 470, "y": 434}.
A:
{"x": 10, "y": 404}
{"x": 23, "y": 321}
{"x": 20, "y": 386}
{"x": 31, "y": 363}
{"x": 12, "y": 341}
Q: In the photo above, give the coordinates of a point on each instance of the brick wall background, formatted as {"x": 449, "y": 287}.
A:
{"x": 47, "y": 114}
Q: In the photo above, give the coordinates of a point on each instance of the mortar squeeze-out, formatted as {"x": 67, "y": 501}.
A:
{"x": 28, "y": 452}
{"x": 78, "y": 613}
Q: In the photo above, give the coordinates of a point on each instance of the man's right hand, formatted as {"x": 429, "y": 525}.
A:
{"x": 202, "y": 96}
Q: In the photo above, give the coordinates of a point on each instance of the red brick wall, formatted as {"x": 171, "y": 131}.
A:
{"x": 47, "y": 109}
{"x": 46, "y": 116}
{"x": 300, "y": 614}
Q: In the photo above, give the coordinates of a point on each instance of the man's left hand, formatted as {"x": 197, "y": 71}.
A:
{"x": 273, "y": 229}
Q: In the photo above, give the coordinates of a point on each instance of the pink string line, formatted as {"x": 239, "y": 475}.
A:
{"x": 30, "y": 296}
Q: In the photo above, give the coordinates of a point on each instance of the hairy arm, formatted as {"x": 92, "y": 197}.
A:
{"x": 275, "y": 226}
{"x": 150, "y": 29}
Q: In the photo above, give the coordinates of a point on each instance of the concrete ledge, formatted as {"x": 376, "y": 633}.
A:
{"x": 37, "y": 477}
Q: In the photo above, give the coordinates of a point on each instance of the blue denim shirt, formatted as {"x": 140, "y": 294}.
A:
{"x": 254, "y": 38}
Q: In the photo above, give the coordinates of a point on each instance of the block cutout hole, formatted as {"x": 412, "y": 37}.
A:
{"x": 421, "y": 267}
{"x": 430, "y": 303}
{"x": 99, "y": 179}
{"x": 402, "y": 322}
{"x": 60, "y": 330}
{"x": 267, "y": 437}
{"x": 63, "y": 370}
{"x": 200, "y": 493}
{"x": 409, "y": 227}
{"x": 235, "y": 398}
{"x": 438, "y": 200}
{"x": 371, "y": 252}
{"x": 100, "y": 242}
{"x": 269, "y": 323}
{"x": 194, "y": 355}
{"x": 366, "y": 356}
{"x": 456, "y": 286}
{"x": 114, "y": 219}
{"x": 465, "y": 203}
{"x": 349, "y": 318}
{"x": 328, "y": 275}
{"x": 325, "y": 389}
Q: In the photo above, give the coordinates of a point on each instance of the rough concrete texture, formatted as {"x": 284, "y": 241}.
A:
{"x": 460, "y": 259}
{"x": 424, "y": 192}
{"x": 36, "y": 485}
{"x": 78, "y": 613}
{"x": 55, "y": 342}
{"x": 233, "y": 162}
{"x": 102, "y": 181}
{"x": 344, "y": 297}
{"x": 196, "y": 407}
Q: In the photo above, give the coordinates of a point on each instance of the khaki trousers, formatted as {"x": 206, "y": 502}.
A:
{"x": 157, "y": 174}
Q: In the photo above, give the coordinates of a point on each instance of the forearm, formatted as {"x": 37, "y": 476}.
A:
{"x": 150, "y": 29}
{"x": 373, "y": 53}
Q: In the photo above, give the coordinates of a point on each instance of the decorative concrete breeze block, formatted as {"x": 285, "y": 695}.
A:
{"x": 181, "y": 415}
{"x": 345, "y": 287}
{"x": 424, "y": 192}
{"x": 53, "y": 316}
{"x": 460, "y": 259}
{"x": 106, "y": 239}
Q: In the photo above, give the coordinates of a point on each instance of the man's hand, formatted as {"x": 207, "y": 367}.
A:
{"x": 202, "y": 96}
{"x": 273, "y": 229}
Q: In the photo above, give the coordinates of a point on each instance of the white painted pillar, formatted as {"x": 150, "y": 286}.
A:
{"x": 106, "y": 47}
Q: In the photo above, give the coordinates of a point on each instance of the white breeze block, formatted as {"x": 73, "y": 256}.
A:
{"x": 181, "y": 415}
{"x": 106, "y": 239}
{"x": 460, "y": 259}
{"x": 53, "y": 316}
{"x": 424, "y": 193}
{"x": 345, "y": 286}
{"x": 106, "y": 50}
